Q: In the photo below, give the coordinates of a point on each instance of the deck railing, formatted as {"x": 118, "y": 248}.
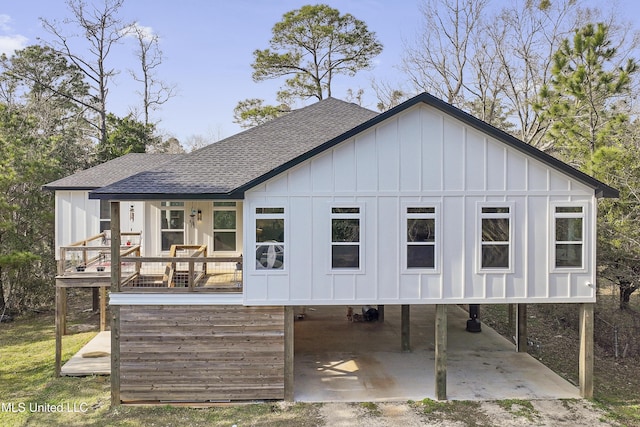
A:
{"x": 195, "y": 272}
{"x": 187, "y": 268}
{"x": 94, "y": 253}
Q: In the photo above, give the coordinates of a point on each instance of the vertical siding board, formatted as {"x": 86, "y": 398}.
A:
{"x": 410, "y": 287}
{"x": 387, "y": 248}
{"x": 388, "y": 156}
{"x": 345, "y": 168}
{"x": 453, "y": 159}
{"x": 431, "y": 286}
{"x": 344, "y": 287}
{"x": 366, "y": 162}
{"x": 432, "y": 151}
{"x": 365, "y": 282}
{"x": 558, "y": 182}
{"x": 301, "y": 252}
{"x": 474, "y": 286}
{"x": 495, "y": 166}
{"x": 475, "y": 165}
{"x": 322, "y": 173}
{"x": 454, "y": 245}
{"x": 516, "y": 171}
{"x": 410, "y": 151}
{"x": 300, "y": 179}
{"x": 321, "y": 247}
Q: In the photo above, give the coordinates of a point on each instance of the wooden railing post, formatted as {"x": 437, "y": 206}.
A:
{"x": 115, "y": 247}
{"x": 190, "y": 273}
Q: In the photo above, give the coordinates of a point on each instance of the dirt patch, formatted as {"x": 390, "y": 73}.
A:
{"x": 462, "y": 414}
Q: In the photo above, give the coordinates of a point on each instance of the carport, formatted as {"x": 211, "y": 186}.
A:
{"x": 338, "y": 360}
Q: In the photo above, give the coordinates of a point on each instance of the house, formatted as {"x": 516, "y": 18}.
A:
{"x": 334, "y": 204}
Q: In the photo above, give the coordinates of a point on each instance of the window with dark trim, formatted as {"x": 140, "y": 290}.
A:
{"x": 569, "y": 236}
{"x": 495, "y": 237}
{"x": 171, "y": 224}
{"x": 224, "y": 226}
{"x": 270, "y": 238}
{"x": 105, "y": 215}
{"x": 345, "y": 238}
{"x": 421, "y": 237}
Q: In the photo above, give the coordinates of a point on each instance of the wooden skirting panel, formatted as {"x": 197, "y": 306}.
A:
{"x": 201, "y": 353}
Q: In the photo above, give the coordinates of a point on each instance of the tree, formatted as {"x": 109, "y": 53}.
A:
{"x": 101, "y": 29}
{"x": 309, "y": 47}
{"x": 438, "y": 60}
{"x": 492, "y": 65}
{"x": 27, "y": 262}
{"x": 585, "y": 107}
{"x": 43, "y": 85}
{"x": 252, "y": 112}
{"x": 125, "y": 135}
{"x": 154, "y": 92}
{"x": 583, "y": 101}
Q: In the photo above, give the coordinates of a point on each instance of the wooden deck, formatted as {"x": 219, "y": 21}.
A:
{"x": 80, "y": 365}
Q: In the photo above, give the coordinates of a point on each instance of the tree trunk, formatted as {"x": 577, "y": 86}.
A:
{"x": 626, "y": 289}
{"x": 2, "y": 301}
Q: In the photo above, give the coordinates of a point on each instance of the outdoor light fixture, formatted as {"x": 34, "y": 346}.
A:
{"x": 199, "y": 216}
{"x": 132, "y": 213}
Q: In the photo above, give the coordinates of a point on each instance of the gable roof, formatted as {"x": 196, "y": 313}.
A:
{"x": 228, "y": 168}
{"x": 112, "y": 171}
{"x": 601, "y": 189}
{"x": 219, "y": 169}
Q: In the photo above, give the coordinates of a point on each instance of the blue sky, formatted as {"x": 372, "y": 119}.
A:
{"x": 208, "y": 46}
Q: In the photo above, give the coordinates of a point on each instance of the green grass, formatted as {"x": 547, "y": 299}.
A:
{"x": 27, "y": 376}
{"x": 27, "y": 353}
{"x": 466, "y": 412}
{"x": 519, "y": 408}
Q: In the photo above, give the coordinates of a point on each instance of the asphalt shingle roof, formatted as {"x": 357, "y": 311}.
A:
{"x": 112, "y": 171}
{"x": 220, "y": 168}
{"x": 229, "y": 167}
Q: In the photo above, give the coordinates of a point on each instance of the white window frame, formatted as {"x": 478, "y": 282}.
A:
{"x": 480, "y": 244}
{"x": 172, "y": 230}
{"x": 256, "y": 244}
{"x": 404, "y": 243}
{"x": 214, "y": 230}
{"x": 552, "y": 238}
{"x": 361, "y": 243}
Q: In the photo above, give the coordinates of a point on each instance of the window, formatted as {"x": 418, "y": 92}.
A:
{"x": 569, "y": 236}
{"x": 495, "y": 250}
{"x": 105, "y": 215}
{"x": 224, "y": 226}
{"x": 420, "y": 237}
{"x": 270, "y": 238}
{"x": 345, "y": 238}
{"x": 171, "y": 224}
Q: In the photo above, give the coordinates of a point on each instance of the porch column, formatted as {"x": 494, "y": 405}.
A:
{"x": 288, "y": 353}
{"x": 115, "y": 310}
{"x": 441, "y": 352}
{"x": 521, "y": 328}
{"x": 103, "y": 308}
{"x": 586, "y": 350}
{"x": 61, "y": 296}
{"x": 406, "y": 328}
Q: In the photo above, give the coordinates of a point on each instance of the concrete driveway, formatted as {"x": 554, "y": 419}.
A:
{"x": 338, "y": 360}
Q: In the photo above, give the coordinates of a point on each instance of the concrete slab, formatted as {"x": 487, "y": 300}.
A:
{"x": 79, "y": 366}
{"x": 337, "y": 360}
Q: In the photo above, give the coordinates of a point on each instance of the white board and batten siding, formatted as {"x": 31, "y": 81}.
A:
{"x": 78, "y": 217}
{"x": 420, "y": 158}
